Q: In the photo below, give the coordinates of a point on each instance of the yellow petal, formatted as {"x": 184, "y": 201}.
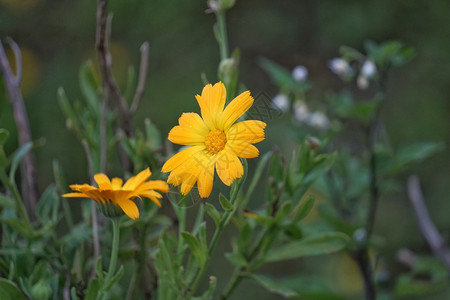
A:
{"x": 242, "y": 149}
{"x": 137, "y": 180}
{"x": 75, "y": 195}
{"x": 159, "y": 185}
{"x": 251, "y": 131}
{"x": 228, "y": 167}
{"x": 82, "y": 187}
{"x": 180, "y": 158}
{"x": 235, "y": 109}
{"x": 116, "y": 183}
{"x": 193, "y": 121}
{"x": 211, "y": 103}
{"x": 185, "y": 136}
{"x": 152, "y": 195}
{"x": 129, "y": 208}
{"x": 103, "y": 181}
{"x": 205, "y": 180}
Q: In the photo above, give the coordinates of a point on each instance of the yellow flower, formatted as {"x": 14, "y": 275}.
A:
{"x": 216, "y": 141}
{"x": 111, "y": 194}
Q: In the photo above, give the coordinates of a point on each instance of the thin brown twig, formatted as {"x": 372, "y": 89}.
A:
{"x": 105, "y": 62}
{"x": 28, "y": 165}
{"x": 426, "y": 225}
{"x": 143, "y": 71}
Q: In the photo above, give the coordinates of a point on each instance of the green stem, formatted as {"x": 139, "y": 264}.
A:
{"x": 232, "y": 283}
{"x": 13, "y": 189}
{"x": 222, "y": 28}
{"x": 114, "y": 250}
{"x": 226, "y": 217}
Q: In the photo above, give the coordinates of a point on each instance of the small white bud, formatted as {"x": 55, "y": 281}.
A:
{"x": 301, "y": 112}
{"x": 300, "y": 73}
{"x": 362, "y": 82}
{"x": 368, "y": 69}
{"x": 319, "y": 120}
{"x": 340, "y": 67}
{"x": 281, "y": 102}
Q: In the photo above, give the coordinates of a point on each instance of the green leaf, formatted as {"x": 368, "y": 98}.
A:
{"x": 304, "y": 209}
{"x": 324, "y": 243}
{"x": 199, "y": 252}
{"x": 20, "y": 226}
{"x": 92, "y": 290}
{"x": 6, "y": 201}
{"x": 212, "y": 211}
{"x": 153, "y": 134}
{"x": 18, "y": 155}
{"x": 4, "y": 134}
{"x": 237, "y": 259}
{"x": 70, "y": 114}
{"x": 412, "y": 154}
{"x": 225, "y": 203}
{"x": 3, "y": 159}
{"x": 89, "y": 87}
{"x": 273, "y": 287}
{"x": 99, "y": 269}
{"x": 9, "y": 290}
{"x": 114, "y": 279}
{"x": 48, "y": 205}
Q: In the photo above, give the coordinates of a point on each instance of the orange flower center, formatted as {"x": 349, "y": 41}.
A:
{"x": 215, "y": 141}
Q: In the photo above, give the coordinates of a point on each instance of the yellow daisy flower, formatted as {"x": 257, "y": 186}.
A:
{"x": 216, "y": 141}
{"x": 112, "y": 195}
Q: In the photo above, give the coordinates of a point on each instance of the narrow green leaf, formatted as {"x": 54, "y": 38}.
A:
{"x": 273, "y": 287}
{"x": 48, "y": 205}
{"x": 18, "y": 155}
{"x": 92, "y": 290}
{"x": 114, "y": 279}
{"x": 89, "y": 87}
{"x": 73, "y": 293}
{"x": 6, "y": 201}
{"x": 4, "y": 134}
{"x": 99, "y": 269}
{"x": 304, "y": 209}
{"x": 324, "y": 243}
{"x": 197, "y": 250}
{"x": 9, "y": 290}
{"x": 212, "y": 211}
{"x": 225, "y": 203}
{"x": 3, "y": 159}
{"x": 237, "y": 259}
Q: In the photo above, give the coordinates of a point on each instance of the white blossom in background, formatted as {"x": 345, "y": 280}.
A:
{"x": 300, "y": 73}
{"x": 368, "y": 69}
{"x": 318, "y": 120}
{"x": 362, "y": 82}
{"x": 301, "y": 112}
{"x": 340, "y": 67}
{"x": 281, "y": 102}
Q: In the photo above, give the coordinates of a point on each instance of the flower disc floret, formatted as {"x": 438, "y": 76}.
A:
{"x": 215, "y": 141}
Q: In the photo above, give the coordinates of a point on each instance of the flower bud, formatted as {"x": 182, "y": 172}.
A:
{"x": 318, "y": 120}
{"x": 362, "y": 82}
{"x": 300, "y": 73}
{"x": 301, "y": 112}
{"x": 281, "y": 102}
{"x": 340, "y": 67}
{"x": 368, "y": 69}
{"x": 220, "y": 5}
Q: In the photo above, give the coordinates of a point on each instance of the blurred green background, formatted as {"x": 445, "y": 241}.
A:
{"x": 57, "y": 36}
